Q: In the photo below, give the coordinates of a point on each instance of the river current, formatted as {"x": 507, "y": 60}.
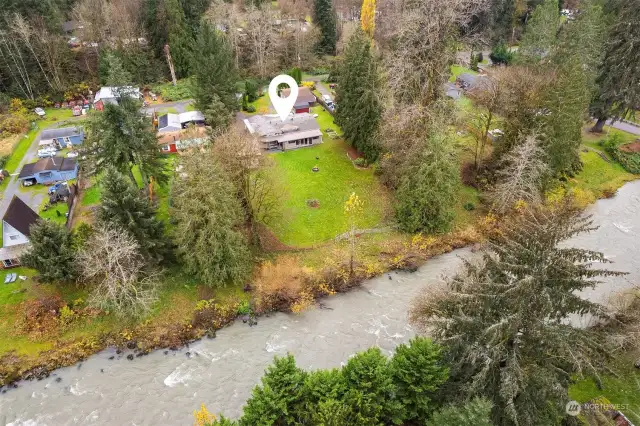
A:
{"x": 164, "y": 388}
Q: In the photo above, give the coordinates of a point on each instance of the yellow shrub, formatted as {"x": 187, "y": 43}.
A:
{"x": 203, "y": 417}
{"x": 280, "y": 284}
{"x": 310, "y": 84}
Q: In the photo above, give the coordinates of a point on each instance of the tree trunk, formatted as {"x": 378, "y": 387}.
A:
{"x": 599, "y": 126}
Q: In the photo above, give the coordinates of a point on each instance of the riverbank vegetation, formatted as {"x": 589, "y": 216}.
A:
{"x": 165, "y": 250}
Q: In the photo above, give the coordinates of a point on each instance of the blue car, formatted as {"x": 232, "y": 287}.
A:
{"x": 54, "y": 188}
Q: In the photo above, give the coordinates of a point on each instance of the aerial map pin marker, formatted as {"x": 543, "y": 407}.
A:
{"x": 283, "y": 105}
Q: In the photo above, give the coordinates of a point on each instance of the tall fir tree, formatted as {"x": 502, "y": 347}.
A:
{"x": 214, "y": 77}
{"x": 112, "y": 71}
{"x": 123, "y": 137}
{"x": 208, "y": 218}
{"x": 540, "y": 34}
{"x": 619, "y": 75}
{"x": 424, "y": 201}
{"x": 324, "y": 16}
{"x": 52, "y": 252}
{"x": 123, "y": 206}
{"x": 359, "y": 106}
{"x": 179, "y": 38}
{"x": 504, "y": 319}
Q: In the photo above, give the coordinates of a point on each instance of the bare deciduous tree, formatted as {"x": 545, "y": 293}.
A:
{"x": 111, "y": 262}
{"x": 262, "y": 39}
{"x": 251, "y": 172}
{"x": 520, "y": 177}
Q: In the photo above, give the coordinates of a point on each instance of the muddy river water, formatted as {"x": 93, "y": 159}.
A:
{"x": 164, "y": 389}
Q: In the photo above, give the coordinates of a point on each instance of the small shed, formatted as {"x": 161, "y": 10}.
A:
{"x": 466, "y": 80}
{"x": 306, "y": 99}
{"x": 63, "y": 137}
{"x": 49, "y": 170}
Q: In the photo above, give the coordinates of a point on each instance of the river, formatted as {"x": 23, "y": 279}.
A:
{"x": 164, "y": 388}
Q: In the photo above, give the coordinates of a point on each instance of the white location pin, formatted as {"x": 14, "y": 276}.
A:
{"x": 283, "y": 105}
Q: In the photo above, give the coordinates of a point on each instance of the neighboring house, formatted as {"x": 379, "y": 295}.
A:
{"x": 297, "y": 131}
{"x": 172, "y": 142}
{"x": 16, "y": 225}
{"x": 49, "y": 170}
{"x": 466, "y": 81}
{"x": 176, "y": 122}
{"x": 110, "y": 95}
{"x": 61, "y": 138}
{"x": 306, "y": 99}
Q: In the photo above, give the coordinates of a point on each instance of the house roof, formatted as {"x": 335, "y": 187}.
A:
{"x": 299, "y": 135}
{"x": 169, "y": 120}
{"x": 20, "y": 216}
{"x": 62, "y": 132}
{"x": 48, "y": 164}
{"x": 304, "y": 95}
{"x": 169, "y": 137}
{"x": 467, "y": 78}
{"x": 189, "y": 116}
{"x": 107, "y": 93}
{"x": 271, "y": 127}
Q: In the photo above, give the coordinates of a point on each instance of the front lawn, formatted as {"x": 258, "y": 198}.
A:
{"x": 303, "y": 226}
{"x": 622, "y": 389}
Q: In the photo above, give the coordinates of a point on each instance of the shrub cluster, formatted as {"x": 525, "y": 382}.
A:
{"x": 369, "y": 390}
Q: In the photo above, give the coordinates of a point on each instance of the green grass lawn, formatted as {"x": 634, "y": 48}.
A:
{"x": 623, "y": 388}
{"x": 456, "y": 70}
{"x": 55, "y": 213}
{"x": 261, "y": 104}
{"x": 170, "y": 93}
{"x": 304, "y": 226}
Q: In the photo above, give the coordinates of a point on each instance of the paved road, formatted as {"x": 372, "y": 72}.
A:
{"x": 626, "y": 127}
{"x": 32, "y": 198}
{"x": 179, "y": 106}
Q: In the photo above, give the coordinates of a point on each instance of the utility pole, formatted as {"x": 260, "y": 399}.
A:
{"x": 171, "y": 68}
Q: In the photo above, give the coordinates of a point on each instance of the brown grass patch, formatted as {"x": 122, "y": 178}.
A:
{"x": 7, "y": 144}
{"x": 632, "y": 148}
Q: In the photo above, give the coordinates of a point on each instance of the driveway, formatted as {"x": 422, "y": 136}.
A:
{"x": 626, "y": 127}
{"x": 179, "y": 106}
{"x": 33, "y": 198}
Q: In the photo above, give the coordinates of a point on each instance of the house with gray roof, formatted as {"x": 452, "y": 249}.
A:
{"x": 62, "y": 137}
{"x": 297, "y": 131}
{"x": 16, "y": 230}
{"x": 49, "y": 170}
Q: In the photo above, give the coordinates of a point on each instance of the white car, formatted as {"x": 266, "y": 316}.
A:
{"x": 47, "y": 152}
{"x": 40, "y": 112}
{"x": 72, "y": 154}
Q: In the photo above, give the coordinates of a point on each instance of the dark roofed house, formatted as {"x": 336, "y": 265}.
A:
{"x": 306, "y": 99}
{"x": 50, "y": 170}
{"x": 16, "y": 225}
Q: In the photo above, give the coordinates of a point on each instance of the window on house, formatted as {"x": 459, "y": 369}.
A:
{"x": 297, "y": 143}
{"x": 14, "y": 237}
{"x": 7, "y": 263}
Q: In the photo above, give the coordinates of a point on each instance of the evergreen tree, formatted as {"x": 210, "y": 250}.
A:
{"x": 476, "y": 412}
{"x": 504, "y": 318}
{"x": 424, "y": 197}
{"x": 179, "y": 37}
{"x": 540, "y": 33}
{"x": 123, "y": 137}
{"x": 124, "y": 207}
{"x": 371, "y": 391}
{"x": 359, "y": 107}
{"x": 112, "y": 71}
{"x": 214, "y": 77}
{"x": 324, "y": 16}
{"x": 280, "y": 397}
{"x": 208, "y": 217}
{"x": 619, "y": 76}
{"x": 418, "y": 370}
{"x": 52, "y": 252}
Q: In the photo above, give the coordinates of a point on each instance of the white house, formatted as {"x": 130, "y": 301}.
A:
{"x": 176, "y": 122}
{"x": 16, "y": 225}
{"x": 110, "y": 95}
{"x": 297, "y": 131}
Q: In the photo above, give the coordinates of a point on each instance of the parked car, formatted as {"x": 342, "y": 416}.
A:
{"x": 72, "y": 154}
{"x": 47, "y": 152}
{"x": 39, "y": 112}
{"x": 28, "y": 182}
